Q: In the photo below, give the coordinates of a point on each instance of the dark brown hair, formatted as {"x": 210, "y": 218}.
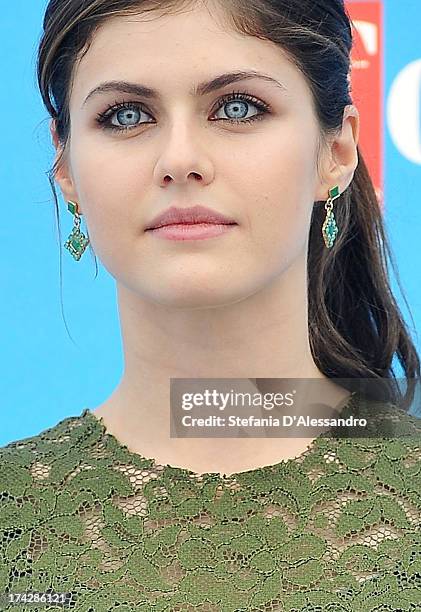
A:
{"x": 355, "y": 325}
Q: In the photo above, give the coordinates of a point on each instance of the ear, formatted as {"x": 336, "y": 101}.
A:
{"x": 63, "y": 175}
{"x": 341, "y": 160}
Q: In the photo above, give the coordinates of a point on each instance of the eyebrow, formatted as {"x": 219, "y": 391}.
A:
{"x": 201, "y": 89}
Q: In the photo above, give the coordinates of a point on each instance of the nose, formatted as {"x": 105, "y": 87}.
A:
{"x": 184, "y": 157}
{"x": 169, "y": 177}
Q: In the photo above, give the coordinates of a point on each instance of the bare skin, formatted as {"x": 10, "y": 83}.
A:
{"x": 231, "y": 306}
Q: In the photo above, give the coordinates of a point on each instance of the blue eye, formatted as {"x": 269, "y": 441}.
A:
{"x": 131, "y": 111}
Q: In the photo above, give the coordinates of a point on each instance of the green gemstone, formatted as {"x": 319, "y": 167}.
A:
{"x": 334, "y": 193}
{"x": 71, "y": 207}
{"x": 77, "y": 243}
{"x": 330, "y": 231}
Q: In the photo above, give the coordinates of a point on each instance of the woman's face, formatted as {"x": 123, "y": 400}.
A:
{"x": 262, "y": 174}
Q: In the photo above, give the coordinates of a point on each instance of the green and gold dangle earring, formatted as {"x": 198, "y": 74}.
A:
{"x": 330, "y": 228}
{"x": 77, "y": 241}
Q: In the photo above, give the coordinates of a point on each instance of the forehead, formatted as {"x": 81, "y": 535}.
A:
{"x": 179, "y": 30}
{"x": 173, "y": 52}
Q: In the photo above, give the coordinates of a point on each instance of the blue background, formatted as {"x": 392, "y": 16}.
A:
{"x": 45, "y": 375}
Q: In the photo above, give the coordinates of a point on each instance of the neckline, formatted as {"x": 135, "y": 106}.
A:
{"x": 98, "y": 422}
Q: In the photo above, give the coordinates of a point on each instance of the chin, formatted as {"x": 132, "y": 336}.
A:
{"x": 196, "y": 298}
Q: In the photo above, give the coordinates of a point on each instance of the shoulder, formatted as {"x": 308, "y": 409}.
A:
{"x": 38, "y": 505}
{"x": 387, "y": 454}
{"x": 392, "y": 422}
{"x": 387, "y": 450}
{"x": 55, "y": 440}
{"x": 385, "y": 420}
{"x": 42, "y": 460}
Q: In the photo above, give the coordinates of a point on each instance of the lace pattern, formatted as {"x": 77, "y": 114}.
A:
{"x": 337, "y": 528}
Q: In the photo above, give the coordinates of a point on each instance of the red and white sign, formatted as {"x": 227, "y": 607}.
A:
{"x": 368, "y": 84}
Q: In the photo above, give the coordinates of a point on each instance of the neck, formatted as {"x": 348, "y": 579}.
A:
{"x": 262, "y": 336}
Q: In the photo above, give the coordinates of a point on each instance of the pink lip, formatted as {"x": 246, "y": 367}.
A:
{"x": 189, "y": 216}
{"x": 192, "y": 231}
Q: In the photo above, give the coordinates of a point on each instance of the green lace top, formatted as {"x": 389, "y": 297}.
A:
{"x": 335, "y": 529}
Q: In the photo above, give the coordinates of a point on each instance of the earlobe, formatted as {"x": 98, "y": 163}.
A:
{"x": 330, "y": 177}
{"x": 62, "y": 174}
{"x": 344, "y": 149}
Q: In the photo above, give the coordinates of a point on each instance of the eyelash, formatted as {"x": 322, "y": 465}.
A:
{"x": 103, "y": 119}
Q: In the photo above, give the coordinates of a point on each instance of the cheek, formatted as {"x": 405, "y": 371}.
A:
{"x": 276, "y": 186}
{"x": 112, "y": 189}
